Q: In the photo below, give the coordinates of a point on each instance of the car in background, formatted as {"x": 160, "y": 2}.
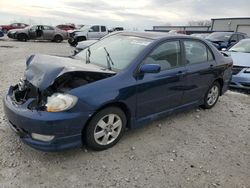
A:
{"x": 1, "y": 32}
{"x": 225, "y": 40}
{"x": 115, "y": 29}
{"x": 6, "y": 28}
{"x": 200, "y": 35}
{"x": 38, "y": 32}
{"x": 66, "y": 27}
{"x": 240, "y": 53}
{"x": 87, "y": 32}
{"x": 122, "y": 81}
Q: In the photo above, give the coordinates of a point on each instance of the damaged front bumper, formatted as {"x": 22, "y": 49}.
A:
{"x": 66, "y": 127}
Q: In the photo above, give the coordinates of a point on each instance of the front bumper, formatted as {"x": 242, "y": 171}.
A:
{"x": 241, "y": 81}
{"x": 65, "y": 126}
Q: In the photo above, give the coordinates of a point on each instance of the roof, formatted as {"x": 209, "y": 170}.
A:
{"x": 239, "y": 18}
{"x": 151, "y": 35}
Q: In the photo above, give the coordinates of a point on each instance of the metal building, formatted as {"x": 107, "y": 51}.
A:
{"x": 232, "y": 24}
{"x": 185, "y": 29}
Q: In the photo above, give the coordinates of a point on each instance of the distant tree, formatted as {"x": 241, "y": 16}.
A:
{"x": 200, "y": 23}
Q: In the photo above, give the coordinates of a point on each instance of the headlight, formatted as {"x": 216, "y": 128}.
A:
{"x": 247, "y": 70}
{"x": 60, "y": 102}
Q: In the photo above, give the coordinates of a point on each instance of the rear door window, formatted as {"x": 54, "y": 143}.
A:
{"x": 103, "y": 29}
{"x": 197, "y": 52}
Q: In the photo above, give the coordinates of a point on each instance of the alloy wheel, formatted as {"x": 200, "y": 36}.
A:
{"x": 213, "y": 95}
{"x": 108, "y": 129}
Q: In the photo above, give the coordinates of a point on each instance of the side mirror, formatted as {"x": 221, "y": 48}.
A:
{"x": 223, "y": 49}
{"x": 91, "y": 30}
{"x": 150, "y": 68}
{"x": 233, "y": 41}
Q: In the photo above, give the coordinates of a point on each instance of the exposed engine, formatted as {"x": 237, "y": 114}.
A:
{"x": 24, "y": 90}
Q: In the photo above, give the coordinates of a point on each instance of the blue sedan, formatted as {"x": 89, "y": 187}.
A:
{"x": 240, "y": 53}
{"x": 1, "y": 33}
{"x": 120, "y": 82}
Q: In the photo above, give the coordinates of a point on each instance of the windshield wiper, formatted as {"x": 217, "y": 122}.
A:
{"x": 109, "y": 59}
{"x": 88, "y": 53}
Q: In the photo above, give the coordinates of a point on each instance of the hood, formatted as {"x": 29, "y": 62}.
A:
{"x": 15, "y": 30}
{"x": 42, "y": 70}
{"x": 240, "y": 59}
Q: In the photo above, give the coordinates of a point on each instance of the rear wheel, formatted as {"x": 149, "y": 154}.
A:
{"x": 105, "y": 129}
{"x": 58, "y": 38}
{"x": 212, "y": 95}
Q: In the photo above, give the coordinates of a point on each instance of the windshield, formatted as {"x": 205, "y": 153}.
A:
{"x": 242, "y": 46}
{"x": 122, "y": 50}
{"x": 85, "y": 27}
{"x": 220, "y": 36}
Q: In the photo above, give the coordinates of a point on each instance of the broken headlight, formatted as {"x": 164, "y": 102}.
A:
{"x": 60, "y": 102}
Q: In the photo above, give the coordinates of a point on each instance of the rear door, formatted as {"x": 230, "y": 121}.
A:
{"x": 103, "y": 31}
{"x": 201, "y": 70}
{"x": 162, "y": 91}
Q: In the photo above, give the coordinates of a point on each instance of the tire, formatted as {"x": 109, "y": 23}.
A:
{"x": 22, "y": 37}
{"x": 58, "y": 38}
{"x": 104, "y": 130}
{"x": 212, "y": 95}
{"x": 72, "y": 42}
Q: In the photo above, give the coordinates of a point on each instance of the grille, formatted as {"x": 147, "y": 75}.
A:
{"x": 236, "y": 69}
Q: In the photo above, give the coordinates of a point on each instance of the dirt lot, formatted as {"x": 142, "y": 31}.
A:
{"x": 198, "y": 148}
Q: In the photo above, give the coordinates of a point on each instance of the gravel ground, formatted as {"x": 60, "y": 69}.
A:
{"x": 197, "y": 148}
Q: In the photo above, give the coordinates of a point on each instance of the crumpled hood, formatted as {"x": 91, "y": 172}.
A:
{"x": 42, "y": 70}
{"x": 240, "y": 59}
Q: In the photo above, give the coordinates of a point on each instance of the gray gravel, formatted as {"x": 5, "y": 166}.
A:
{"x": 197, "y": 148}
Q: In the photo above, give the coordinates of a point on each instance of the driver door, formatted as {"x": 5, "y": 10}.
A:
{"x": 94, "y": 32}
{"x": 163, "y": 91}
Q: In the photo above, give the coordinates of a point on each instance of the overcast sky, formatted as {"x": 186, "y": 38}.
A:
{"x": 141, "y": 14}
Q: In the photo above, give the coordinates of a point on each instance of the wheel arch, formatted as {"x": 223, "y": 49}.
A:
{"x": 221, "y": 82}
{"x": 117, "y": 104}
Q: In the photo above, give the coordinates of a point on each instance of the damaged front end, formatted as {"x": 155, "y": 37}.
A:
{"x": 46, "y": 86}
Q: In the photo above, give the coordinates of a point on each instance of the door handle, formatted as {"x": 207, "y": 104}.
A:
{"x": 181, "y": 73}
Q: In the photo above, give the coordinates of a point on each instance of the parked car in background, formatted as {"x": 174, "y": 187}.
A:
{"x": 66, "y": 27}
{"x": 122, "y": 81}
{"x": 6, "y": 28}
{"x": 225, "y": 39}
{"x": 115, "y": 29}
{"x": 87, "y": 32}
{"x": 200, "y": 35}
{"x": 38, "y": 32}
{"x": 240, "y": 53}
{"x": 1, "y": 32}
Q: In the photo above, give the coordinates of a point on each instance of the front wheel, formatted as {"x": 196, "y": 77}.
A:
{"x": 212, "y": 95}
{"x": 105, "y": 129}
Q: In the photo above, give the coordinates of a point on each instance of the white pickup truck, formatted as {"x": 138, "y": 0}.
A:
{"x": 87, "y": 32}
